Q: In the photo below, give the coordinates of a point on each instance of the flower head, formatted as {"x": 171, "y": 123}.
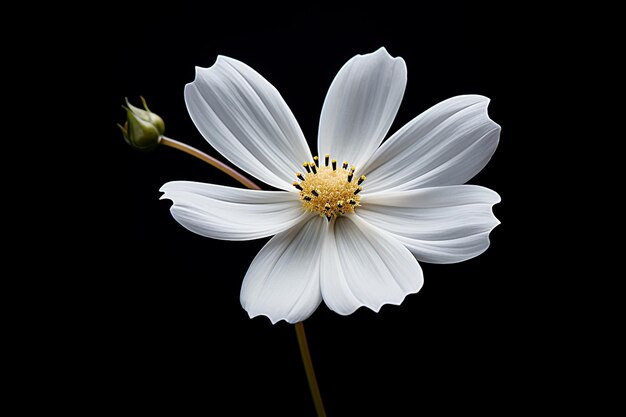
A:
{"x": 351, "y": 222}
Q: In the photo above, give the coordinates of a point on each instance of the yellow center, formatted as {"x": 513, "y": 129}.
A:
{"x": 328, "y": 189}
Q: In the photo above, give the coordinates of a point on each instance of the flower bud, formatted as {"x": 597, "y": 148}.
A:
{"x": 142, "y": 129}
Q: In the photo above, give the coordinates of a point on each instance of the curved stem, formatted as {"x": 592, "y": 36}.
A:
{"x": 209, "y": 160}
{"x": 302, "y": 343}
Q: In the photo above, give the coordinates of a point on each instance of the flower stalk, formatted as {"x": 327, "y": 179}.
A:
{"x": 209, "y": 160}
{"x": 310, "y": 372}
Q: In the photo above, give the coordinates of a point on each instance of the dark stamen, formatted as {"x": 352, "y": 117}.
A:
{"x": 326, "y": 159}
{"x": 297, "y": 185}
{"x": 307, "y": 198}
{"x": 300, "y": 176}
{"x": 363, "y": 178}
{"x": 358, "y": 190}
{"x": 313, "y": 168}
{"x": 334, "y": 165}
{"x": 315, "y": 193}
{"x": 345, "y": 165}
{"x": 306, "y": 166}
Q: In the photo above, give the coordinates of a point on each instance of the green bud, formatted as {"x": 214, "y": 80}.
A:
{"x": 142, "y": 129}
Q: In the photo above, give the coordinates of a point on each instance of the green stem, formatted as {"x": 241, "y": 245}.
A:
{"x": 209, "y": 160}
{"x": 302, "y": 343}
{"x": 310, "y": 372}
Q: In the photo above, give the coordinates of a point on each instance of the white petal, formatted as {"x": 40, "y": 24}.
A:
{"x": 283, "y": 281}
{"x": 446, "y": 145}
{"x": 362, "y": 266}
{"x": 230, "y": 213}
{"x": 440, "y": 224}
{"x": 360, "y": 106}
{"x": 245, "y": 118}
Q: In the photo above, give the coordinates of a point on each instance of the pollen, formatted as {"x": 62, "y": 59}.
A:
{"x": 329, "y": 191}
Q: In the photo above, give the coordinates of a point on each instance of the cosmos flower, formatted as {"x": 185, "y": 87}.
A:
{"x": 350, "y": 223}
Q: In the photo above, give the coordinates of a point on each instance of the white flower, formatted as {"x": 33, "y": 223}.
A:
{"x": 346, "y": 233}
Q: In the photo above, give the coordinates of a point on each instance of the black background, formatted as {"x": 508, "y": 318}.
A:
{"x": 165, "y": 328}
